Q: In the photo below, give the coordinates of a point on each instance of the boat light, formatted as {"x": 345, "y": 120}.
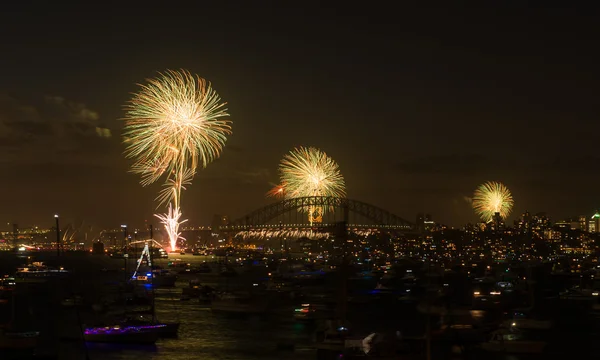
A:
{"x": 514, "y": 324}
{"x": 594, "y": 294}
{"x": 476, "y": 293}
{"x": 495, "y": 293}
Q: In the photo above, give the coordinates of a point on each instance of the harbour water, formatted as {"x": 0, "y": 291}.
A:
{"x": 206, "y": 335}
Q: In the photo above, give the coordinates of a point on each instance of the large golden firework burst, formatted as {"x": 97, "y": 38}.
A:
{"x": 174, "y": 124}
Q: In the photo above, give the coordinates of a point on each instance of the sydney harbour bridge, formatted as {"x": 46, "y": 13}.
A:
{"x": 291, "y": 214}
{"x": 288, "y": 218}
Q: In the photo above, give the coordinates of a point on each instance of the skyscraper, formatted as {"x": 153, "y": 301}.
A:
{"x": 424, "y": 222}
{"x": 594, "y": 223}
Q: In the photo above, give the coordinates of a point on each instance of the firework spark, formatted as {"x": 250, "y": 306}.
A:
{"x": 309, "y": 172}
{"x": 174, "y": 124}
{"x": 264, "y": 234}
{"x": 491, "y": 198}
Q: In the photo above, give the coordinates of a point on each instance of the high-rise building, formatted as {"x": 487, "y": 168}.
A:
{"x": 594, "y": 223}
{"x": 552, "y": 235}
{"x": 540, "y": 221}
{"x": 583, "y": 223}
{"x": 523, "y": 224}
{"x": 497, "y": 222}
{"x": 424, "y": 222}
{"x": 217, "y": 222}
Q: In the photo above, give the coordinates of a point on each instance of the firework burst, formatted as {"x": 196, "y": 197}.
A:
{"x": 173, "y": 125}
{"x": 491, "y": 198}
{"x": 309, "y": 172}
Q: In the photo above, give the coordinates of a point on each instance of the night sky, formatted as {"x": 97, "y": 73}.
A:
{"x": 418, "y": 106}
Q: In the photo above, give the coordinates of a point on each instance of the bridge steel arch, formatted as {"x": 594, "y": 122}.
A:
{"x": 263, "y": 215}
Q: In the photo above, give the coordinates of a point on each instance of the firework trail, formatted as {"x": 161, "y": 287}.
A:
{"x": 491, "y": 198}
{"x": 173, "y": 125}
{"x": 309, "y": 172}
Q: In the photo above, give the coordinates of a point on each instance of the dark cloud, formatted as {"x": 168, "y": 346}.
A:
{"x": 52, "y": 129}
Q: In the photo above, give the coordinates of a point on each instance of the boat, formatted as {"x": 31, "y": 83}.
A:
{"x": 163, "y": 329}
{"x": 13, "y": 340}
{"x": 333, "y": 338}
{"x": 522, "y": 323}
{"x": 153, "y": 275}
{"x": 157, "y": 278}
{"x": 523, "y": 320}
{"x": 163, "y": 278}
{"x": 140, "y": 322}
{"x": 72, "y": 301}
{"x": 577, "y": 294}
{"x": 38, "y": 271}
{"x": 144, "y": 334}
{"x": 513, "y": 341}
{"x": 311, "y": 312}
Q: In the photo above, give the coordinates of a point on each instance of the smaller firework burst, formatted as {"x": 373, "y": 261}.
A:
{"x": 277, "y": 191}
{"x": 309, "y": 172}
{"x": 491, "y": 198}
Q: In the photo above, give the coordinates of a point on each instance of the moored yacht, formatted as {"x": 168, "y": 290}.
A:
{"x": 123, "y": 335}
{"x": 39, "y": 271}
{"x": 522, "y": 319}
{"x": 11, "y": 341}
{"x": 513, "y": 341}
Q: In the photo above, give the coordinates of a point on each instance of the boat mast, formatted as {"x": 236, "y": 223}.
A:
{"x": 341, "y": 234}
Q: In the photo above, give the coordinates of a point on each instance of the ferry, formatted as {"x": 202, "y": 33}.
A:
{"x": 38, "y": 270}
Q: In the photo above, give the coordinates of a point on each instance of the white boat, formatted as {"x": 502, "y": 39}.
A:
{"x": 511, "y": 341}
{"x": 523, "y": 323}
{"x": 524, "y": 319}
{"x": 578, "y": 294}
{"x": 38, "y": 271}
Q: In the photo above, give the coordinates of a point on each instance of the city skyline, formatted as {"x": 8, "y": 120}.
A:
{"x": 416, "y": 119}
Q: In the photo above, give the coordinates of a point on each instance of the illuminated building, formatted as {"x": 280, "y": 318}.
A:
{"x": 217, "y": 222}
{"x": 497, "y": 222}
{"x": 583, "y": 223}
{"x": 552, "y": 235}
{"x": 594, "y": 223}
{"x": 523, "y": 224}
{"x": 424, "y": 222}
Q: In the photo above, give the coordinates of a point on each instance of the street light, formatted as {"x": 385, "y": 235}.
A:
{"x": 57, "y": 235}
{"x": 124, "y": 227}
